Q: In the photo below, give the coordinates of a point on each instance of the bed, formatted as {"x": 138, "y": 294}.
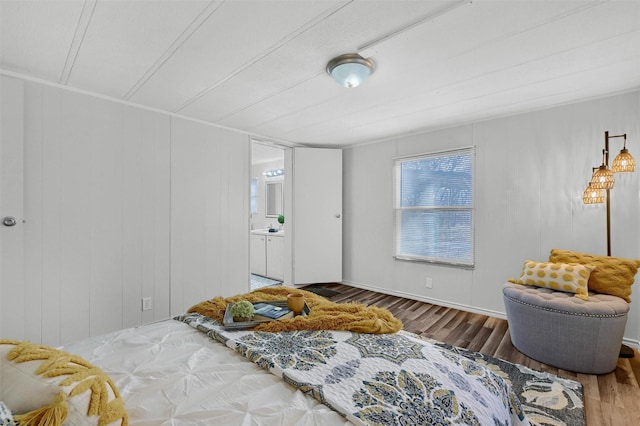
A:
{"x": 191, "y": 371}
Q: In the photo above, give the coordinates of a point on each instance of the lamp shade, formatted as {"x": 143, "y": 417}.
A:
{"x": 350, "y": 70}
{"x": 602, "y": 178}
{"x": 624, "y": 162}
{"x": 592, "y": 195}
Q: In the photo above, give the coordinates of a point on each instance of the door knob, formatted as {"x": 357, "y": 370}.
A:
{"x": 9, "y": 221}
{"x": 337, "y": 215}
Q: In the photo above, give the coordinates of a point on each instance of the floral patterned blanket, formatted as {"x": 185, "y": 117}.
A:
{"x": 377, "y": 379}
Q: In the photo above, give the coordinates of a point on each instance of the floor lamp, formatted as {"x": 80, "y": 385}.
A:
{"x": 599, "y": 191}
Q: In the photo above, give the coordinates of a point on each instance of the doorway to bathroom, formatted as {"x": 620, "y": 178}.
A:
{"x": 267, "y": 224}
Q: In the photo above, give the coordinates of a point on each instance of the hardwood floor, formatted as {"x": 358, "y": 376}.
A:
{"x": 610, "y": 399}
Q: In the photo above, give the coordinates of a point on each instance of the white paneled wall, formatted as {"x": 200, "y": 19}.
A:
{"x": 96, "y": 195}
{"x": 531, "y": 170}
{"x": 209, "y": 213}
{"x": 120, "y": 203}
{"x": 11, "y": 205}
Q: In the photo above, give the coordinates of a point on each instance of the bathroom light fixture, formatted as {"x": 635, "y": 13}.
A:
{"x": 350, "y": 70}
{"x": 273, "y": 172}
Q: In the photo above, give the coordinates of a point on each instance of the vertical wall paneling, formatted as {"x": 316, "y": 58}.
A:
{"x": 74, "y": 200}
{"x": 216, "y": 156}
{"x": 33, "y": 201}
{"x": 288, "y": 215}
{"x": 134, "y": 167}
{"x": 12, "y": 294}
{"x": 96, "y": 205}
{"x": 237, "y": 212}
{"x": 156, "y": 245}
{"x": 187, "y": 214}
{"x": 106, "y": 216}
{"x": 209, "y": 213}
{"x": 369, "y": 223}
{"x": 145, "y": 224}
{"x": 507, "y": 187}
{"x": 51, "y": 214}
{"x": 98, "y": 196}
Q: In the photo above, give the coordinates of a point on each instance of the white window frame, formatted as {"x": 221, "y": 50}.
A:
{"x": 399, "y": 209}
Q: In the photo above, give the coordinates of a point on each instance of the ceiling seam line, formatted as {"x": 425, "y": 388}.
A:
{"x": 306, "y": 27}
{"x": 171, "y": 50}
{"x": 416, "y": 23}
{"x": 81, "y": 27}
{"x": 268, "y": 96}
{"x": 548, "y": 21}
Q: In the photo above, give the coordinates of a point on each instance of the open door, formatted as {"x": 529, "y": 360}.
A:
{"x": 316, "y": 215}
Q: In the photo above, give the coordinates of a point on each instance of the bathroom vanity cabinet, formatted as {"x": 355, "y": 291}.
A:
{"x": 267, "y": 249}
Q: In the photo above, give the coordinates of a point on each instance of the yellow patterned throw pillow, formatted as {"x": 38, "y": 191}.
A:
{"x": 568, "y": 277}
{"x": 612, "y": 275}
{"x": 46, "y": 386}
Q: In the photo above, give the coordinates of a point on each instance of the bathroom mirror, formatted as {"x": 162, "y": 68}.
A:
{"x": 273, "y": 195}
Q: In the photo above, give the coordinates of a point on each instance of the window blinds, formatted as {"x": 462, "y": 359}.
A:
{"x": 434, "y": 207}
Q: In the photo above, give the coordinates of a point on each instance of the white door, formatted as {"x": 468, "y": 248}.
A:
{"x": 316, "y": 210}
{"x": 11, "y": 210}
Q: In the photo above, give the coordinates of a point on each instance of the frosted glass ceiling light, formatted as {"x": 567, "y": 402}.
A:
{"x": 350, "y": 70}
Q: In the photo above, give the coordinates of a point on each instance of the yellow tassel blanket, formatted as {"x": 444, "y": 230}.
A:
{"x": 325, "y": 315}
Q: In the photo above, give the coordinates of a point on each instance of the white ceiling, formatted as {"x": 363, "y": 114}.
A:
{"x": 264, "y": 153}
{"x": 259, "y": 66}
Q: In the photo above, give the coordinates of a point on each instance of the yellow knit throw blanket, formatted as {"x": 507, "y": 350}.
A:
{"x": 325, "y": 315}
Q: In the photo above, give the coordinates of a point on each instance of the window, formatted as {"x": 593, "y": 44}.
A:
{"x": 434, "y": 207}
{"x": 254, "y": 196}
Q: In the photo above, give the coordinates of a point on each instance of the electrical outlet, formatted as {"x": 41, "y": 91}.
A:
{"x": 428, "y": 282}
{"x": 146, "y": 304}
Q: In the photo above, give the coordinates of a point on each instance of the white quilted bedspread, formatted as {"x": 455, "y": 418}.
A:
{"x": 171, "y": 374}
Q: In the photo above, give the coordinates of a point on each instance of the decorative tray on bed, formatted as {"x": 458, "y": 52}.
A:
{"x": 230, "y": 324}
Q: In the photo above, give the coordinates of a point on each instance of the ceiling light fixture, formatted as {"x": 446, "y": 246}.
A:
{"x": 350, "y": 70}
